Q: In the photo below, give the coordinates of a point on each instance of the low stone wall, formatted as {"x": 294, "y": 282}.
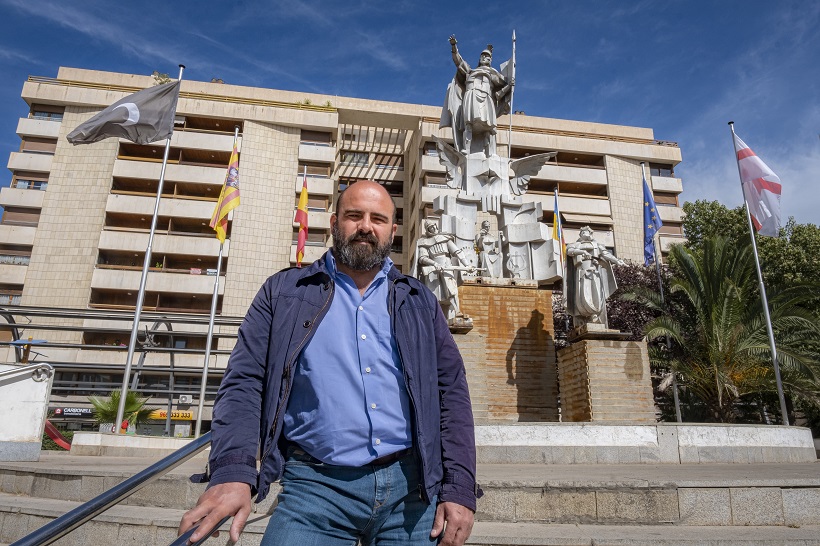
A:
{"x": 126, "y": 445}
{"x": 628, "y": 443}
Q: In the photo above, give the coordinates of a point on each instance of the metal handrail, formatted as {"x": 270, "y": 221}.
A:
{"x": 36, "y": 369}
{"x": 66, "y": 523}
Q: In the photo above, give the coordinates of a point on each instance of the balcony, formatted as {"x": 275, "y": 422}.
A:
{"x": 666, "y": 183}
{"x": 607, "y": 238}
{"x": 18, "y": 235}
{"x": 137, "y": 241}
{"x": 316, "y": 219}
{"x": 573, "y": 174}
{"x": 25, "y": 161}
{"x": 16, "y": 197}
{"x": 204, "y": 141}
{"x": 315, "y": 152}
{"x": 316, "y": 185}
{"x": 175, "y": 283}
{"x": 312, "y": 253}
{"x": 43, "y": 128}
{"x": 430, "y": 163}
{"x": 670, "y": 214}
{"x": 13, "y": 273}
{"x": 429, "y": 193}
{"x": 668, "y": 240}
{"x": 148, "y": 170}
{"x": 178, "y": 208}
{"x": 577, "y": 205}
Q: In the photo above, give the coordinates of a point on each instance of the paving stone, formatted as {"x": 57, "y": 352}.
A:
{"x": 57, "y": 486}
{"x": 647, "y": 506}
{"x": 135, "y": 535}
{"x": 756, "y": 506}
{"x": 704, "y": 506}
{"x": 555, "y": 505}
{"x": 715, "y": 454}
{"x": 801, "y": 506}
{"x": 496, "y": 505}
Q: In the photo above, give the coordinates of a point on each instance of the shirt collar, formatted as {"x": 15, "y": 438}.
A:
{"x": 333, "y": 271}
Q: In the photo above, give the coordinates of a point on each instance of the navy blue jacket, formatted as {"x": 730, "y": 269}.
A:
{"x": 252, "y": 398}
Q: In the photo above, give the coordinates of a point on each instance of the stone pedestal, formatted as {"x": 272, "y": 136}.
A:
{"x": 509, "y": 355}
{"x": 605, "y": 379}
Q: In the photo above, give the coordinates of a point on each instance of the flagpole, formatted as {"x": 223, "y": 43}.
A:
{"x": 512, "y": 95}
{"x": 143, "y": 281}
{"x": 657, "y": 251}
{"x": 763, "y": 297}
{"x": 211, "y": 318}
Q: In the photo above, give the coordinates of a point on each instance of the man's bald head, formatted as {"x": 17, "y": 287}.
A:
{"x": 365, "y": 187}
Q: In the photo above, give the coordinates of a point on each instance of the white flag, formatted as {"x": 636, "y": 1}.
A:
{"x": 761, "y": 190}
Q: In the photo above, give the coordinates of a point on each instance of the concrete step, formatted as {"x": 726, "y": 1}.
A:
{"x": 703, "y": 494}
{"x": 157, "y": 527}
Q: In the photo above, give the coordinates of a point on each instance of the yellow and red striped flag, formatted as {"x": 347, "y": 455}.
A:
{"x": 228, "y": 199}
{"x": 301, "y": 218}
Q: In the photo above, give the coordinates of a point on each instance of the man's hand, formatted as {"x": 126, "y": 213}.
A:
{"x": 458, "y": 520}
{"x": 225, "y": 499}
{"x": 453, "y": 40}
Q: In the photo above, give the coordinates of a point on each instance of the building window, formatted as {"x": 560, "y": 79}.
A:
{"x": 316, "y": 170}
{"x": 46, "y": 112}
{"x": 314, "y": 238}
{"x": 658, "y": 169}
{"x": 430, "y": 149}
{"x": 34, "y": 145}
{"x": 314, "y": 204}
{"x": 666, "y": 199}
{"x": 23, "y": 184}
{"x": 389, "y": 161}
{"x": 358, "y": 159}
{"x": 316, "y": 138}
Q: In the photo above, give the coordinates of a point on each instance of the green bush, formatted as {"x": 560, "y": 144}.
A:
{"x": 49, "y": 445}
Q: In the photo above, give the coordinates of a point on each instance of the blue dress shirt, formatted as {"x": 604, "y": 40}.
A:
{"x": 349, "y": 402}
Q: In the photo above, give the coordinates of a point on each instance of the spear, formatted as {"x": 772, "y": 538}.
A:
{"x": 512, "y": 93}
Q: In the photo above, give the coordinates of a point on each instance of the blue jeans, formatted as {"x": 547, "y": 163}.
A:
{"x": 327, "y": 505}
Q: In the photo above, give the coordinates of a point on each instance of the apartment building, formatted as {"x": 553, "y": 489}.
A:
{"x": 75, "y": 227}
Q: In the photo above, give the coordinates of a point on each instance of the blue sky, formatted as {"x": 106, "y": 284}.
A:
{"x": 683, "y": 68}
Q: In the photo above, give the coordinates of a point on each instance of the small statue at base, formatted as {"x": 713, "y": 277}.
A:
{"x": 590, "y": 279}
{"x": 436, "y": 252}
{"x": 489, "y": 252}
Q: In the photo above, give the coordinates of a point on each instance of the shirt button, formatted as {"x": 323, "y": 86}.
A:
{"x": 361, "y": 308}
{"x": 364, "y": 336}
{"x": 378, "y": 441}
{"x": 367, "y": 369}
{"x": 373, "y": 406}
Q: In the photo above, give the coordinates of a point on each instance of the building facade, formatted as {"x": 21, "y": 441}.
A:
{"x": 75, "y": 227}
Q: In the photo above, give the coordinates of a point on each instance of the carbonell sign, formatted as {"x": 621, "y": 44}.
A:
{"x": 72, "y": 412}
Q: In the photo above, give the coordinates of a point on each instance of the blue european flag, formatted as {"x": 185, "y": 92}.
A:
{"x": 651, "y": 224}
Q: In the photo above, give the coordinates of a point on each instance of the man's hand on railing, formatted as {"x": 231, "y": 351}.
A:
{"x": 225, "y": 499}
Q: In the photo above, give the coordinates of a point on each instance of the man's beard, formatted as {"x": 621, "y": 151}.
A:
{"x": 357, "y": 256}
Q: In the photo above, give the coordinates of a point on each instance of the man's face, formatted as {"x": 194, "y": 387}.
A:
{"x": 432, "y": 229}
{"x": 363, "y": 227}
{"x": 485, "y": 60}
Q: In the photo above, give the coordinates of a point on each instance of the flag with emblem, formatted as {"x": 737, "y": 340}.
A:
{"x": 301, "y": 218}
{"x": 228, "y": 199}
{"x": 761, "y": 190}
{"x": 651, "y": 224}
{"x": 143, "y": 117}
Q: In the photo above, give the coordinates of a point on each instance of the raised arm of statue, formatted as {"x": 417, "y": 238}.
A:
{"x": 460, "y": 63}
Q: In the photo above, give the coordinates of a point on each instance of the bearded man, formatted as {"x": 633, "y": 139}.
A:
{"x": 347, "y": 382}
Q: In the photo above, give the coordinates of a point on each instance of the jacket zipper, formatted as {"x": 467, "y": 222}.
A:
{"x": 288, "y": 372}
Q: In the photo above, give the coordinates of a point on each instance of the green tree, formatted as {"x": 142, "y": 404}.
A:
{"x": 716, "y": 324}
{"x": 105, "y": 409}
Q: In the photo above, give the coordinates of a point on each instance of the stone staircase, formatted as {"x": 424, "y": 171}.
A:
{"x": 524, "y": 504}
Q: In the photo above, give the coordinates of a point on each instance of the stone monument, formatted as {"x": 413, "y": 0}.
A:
{"x": 480, "y": 180}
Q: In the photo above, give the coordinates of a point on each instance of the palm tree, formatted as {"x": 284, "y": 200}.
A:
{"x": 716, "y": 325}
{"x": 105, "y": 409}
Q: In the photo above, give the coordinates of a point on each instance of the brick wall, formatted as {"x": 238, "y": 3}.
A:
{"x": 510, "y": 353}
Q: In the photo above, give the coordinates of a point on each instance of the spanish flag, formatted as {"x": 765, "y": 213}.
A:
{"x": 558, "y": 233}
{"x": 302, "y": 219}
{"x": 228, "y": 199}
